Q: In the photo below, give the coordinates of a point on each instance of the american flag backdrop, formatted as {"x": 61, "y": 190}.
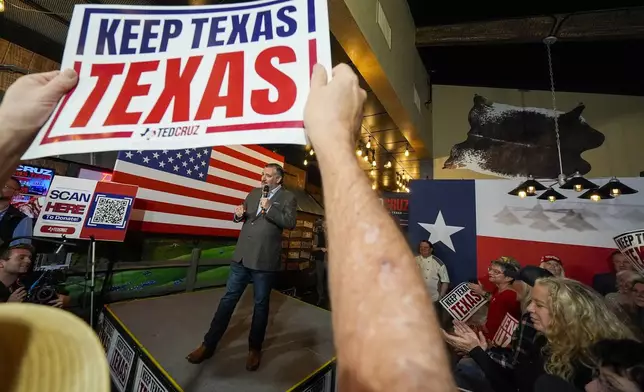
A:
{"x": 191, "y": 191}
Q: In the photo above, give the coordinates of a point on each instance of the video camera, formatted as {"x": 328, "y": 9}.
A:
{"x": 43, "y": 290}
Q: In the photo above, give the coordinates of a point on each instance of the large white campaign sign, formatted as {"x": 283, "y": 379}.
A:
{"x": 184, "y": 77}
{"x": 631, "y": 244}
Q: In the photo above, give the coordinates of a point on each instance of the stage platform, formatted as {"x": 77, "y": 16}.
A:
{"x": 146, "y": 342}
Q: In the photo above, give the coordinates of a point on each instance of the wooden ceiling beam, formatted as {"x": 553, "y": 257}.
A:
{"x": 46, "y": 11}
{"x": 586, "y": 26}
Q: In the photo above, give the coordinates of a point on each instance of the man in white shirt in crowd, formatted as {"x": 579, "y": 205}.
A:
{"x": 434, "y": 273}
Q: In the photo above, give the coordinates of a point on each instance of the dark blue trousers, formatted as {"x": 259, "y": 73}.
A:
{"x": 238, "y": 279}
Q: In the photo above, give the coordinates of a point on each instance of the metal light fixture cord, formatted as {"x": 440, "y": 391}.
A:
{"x": 554, "y": 104}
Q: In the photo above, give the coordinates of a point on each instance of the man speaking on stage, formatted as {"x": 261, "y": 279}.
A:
{"x": 266, "y": 212}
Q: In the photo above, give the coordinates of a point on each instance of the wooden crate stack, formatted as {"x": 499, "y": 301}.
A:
{"x": 296, "y": 246}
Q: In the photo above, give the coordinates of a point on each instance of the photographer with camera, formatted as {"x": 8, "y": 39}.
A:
{"x": 15, "y": 271}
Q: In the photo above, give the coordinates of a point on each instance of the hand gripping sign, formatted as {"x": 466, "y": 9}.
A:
{"x": 185, "y": 77}
{"x": 631, "y": 244}
{"x": 462, "y": 302}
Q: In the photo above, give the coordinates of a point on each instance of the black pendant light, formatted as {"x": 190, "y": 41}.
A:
{"x": 615, "y": 187}
{"x": 596, "y": 195}
{"x": 532, "y": 186}
{"x": 551, "y": 195}
{"x": 521, "y": 192}
{"x": 578, "y": 183}
{"x": 529, "y": 187}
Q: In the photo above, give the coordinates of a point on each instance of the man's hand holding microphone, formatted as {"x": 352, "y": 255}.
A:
{"x": 264, "y": 202}
{"x": 239, "y": 211}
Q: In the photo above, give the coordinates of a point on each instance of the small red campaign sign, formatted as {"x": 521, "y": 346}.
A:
{"x": 175, "y": 77}
{"x": 462, "y": 302}
{"x": 503, "y": 336}
{"x": 82, "y": 209}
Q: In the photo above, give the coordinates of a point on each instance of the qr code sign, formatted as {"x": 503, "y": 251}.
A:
{"x": 110, "y": 211}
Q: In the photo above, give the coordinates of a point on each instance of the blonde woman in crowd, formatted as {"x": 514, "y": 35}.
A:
{"x": 621, "y": 302}
{"x": 569, "y": 318}
{"x": 572, "y": 318}
{"x": 622, "y": 298}
{"x": 636, "y": 312}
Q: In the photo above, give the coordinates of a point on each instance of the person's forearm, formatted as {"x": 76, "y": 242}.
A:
{"x": 385, "y": 330}
{"x": 444, "y": 287}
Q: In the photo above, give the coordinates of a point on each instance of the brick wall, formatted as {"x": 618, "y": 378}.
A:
{"x": 12, "y": 54}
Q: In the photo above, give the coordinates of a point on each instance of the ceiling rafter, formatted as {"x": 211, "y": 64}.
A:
{"x": 49, "y": 13}
{"x": 625, "y": 23}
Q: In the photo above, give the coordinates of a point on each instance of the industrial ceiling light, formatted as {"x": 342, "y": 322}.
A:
{"x": 578, "y": 183}
{"x": 575, "y": 182}
{"x": 521, "y": 192}
{"x": 532, "y": 186}
{"x": 615, "y": 187}
{"x": 596, "y": 195}
{"x": 407, "y": 150}
{"x": 369, "y": 142}
{"x": 551, "y": 195}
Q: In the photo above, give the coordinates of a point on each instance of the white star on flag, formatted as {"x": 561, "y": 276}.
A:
{"x": 440, "y": 232}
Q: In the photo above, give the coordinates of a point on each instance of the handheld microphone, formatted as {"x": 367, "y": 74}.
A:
{"x": 265, "y": 191}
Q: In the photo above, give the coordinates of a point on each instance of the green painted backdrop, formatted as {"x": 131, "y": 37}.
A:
{"x": 141, "y": 282}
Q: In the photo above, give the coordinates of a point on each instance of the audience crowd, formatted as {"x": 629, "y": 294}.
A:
{"x": 570, "y": 337}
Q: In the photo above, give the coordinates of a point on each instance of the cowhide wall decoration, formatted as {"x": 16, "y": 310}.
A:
{"x": 512, "y": 141}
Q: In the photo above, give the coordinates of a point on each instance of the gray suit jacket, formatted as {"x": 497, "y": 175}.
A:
{"x": 260, "y": 242}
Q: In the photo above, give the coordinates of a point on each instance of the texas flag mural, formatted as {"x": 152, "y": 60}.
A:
{"x": 471, "y": 222}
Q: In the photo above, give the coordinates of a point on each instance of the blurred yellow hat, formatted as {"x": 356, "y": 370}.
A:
{"x": 48, "y": 349}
